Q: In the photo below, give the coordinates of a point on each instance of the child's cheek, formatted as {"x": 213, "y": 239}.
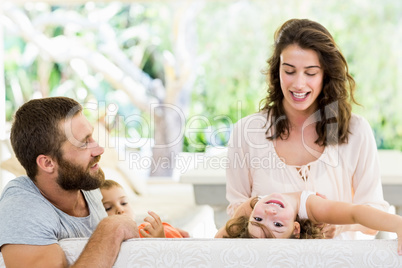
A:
{"x": 110, "y": 213}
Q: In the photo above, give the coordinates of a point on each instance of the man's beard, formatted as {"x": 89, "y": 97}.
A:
{"x": 75, "y": 177}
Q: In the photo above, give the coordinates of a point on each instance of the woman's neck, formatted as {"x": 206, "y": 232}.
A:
{"x": 298, "y": 118}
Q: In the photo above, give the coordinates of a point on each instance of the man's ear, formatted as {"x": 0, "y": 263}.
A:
{"x": 296, "y": 230}
{"x": 45, "y": 163}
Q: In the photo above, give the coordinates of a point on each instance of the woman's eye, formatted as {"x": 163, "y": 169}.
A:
{"x": 311, "y": 74}
{"x": 257, "y": 219}
{"x": 289, "y": 72}
{"x": 278, "y": 224}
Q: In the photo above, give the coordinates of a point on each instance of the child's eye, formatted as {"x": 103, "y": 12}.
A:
{"x": 124, "y": 203}
{"x": 108, "y": 208}
{"x": 278, "y": 224}
{"x": 257, "y": 219}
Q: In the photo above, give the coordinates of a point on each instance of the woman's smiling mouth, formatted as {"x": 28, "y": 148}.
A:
{"x": 299, "y": 95}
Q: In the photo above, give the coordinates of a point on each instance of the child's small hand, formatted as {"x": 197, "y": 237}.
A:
{"x": 183, "y": 233}
{"x": 154, "y": 226}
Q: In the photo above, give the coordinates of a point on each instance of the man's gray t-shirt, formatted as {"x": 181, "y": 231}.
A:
{"x": 27, "y": 217}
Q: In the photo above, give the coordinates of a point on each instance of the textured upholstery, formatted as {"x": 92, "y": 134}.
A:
{"x": 248, "y": 253}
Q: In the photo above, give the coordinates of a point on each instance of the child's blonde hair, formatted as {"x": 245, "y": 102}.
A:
{"x": 107, "y": 184}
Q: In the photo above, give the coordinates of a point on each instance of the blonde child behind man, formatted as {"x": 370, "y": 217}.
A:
{"x": 116, "y": 202}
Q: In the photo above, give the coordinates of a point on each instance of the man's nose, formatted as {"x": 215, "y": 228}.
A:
{"x": 97, "y": 149}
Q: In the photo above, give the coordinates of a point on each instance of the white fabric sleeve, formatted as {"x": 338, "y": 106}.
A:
{"x": 366, "y": 179}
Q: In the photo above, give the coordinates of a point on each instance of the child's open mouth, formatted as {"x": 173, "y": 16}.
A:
{"x": 275, "y": 202}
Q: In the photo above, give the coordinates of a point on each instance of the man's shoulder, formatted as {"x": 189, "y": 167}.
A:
{"x": 21, "y": 181}
{"x": 22, "y": 203}
{"x": 21, "y": 191}
{"x": 20, "y": 186}
{"x": 26, "y": 217}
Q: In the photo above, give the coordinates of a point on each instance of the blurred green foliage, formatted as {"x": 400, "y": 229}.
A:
{"x": 233, "y": 43}
{"x": 236, "y": 39}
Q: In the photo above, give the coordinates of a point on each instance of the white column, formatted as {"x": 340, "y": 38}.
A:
{"x": 2, "y": 94}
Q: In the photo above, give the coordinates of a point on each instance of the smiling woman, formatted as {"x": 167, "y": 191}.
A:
{"x": 306, "y": 123}
{"x": 301, "y": 79}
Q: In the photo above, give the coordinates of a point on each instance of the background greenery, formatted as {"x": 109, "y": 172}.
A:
{"x": 233, "y": 40}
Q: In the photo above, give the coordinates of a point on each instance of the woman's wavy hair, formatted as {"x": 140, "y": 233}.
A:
{"x": 334, "y": 101}
{"x": 238, "y": 228}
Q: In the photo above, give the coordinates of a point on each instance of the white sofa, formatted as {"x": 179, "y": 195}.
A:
{"x": 192, "y": 252}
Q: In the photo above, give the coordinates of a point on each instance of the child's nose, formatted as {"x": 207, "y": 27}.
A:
{"x": 120, "y": 211}
{"x": 271, "y": 211}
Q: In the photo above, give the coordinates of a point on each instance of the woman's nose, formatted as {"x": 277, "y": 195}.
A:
{"x": 300, "y": 82}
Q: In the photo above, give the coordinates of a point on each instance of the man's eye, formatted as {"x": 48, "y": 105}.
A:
{"x": 278, "y": 224}
{"x": 85, "y": 144}
{"x": 257, "y": 219}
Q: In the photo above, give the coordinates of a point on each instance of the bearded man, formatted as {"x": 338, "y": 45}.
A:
{"x": 59, "y": 198}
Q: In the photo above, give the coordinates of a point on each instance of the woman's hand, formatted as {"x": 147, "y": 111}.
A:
{"x": 153, "y": 227}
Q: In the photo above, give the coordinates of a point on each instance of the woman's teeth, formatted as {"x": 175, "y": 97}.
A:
{"x": 300, "y": 95}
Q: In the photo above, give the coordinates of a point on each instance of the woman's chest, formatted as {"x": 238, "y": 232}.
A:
{"x": 298, "y": 149}
{"x": 333, "y": 181}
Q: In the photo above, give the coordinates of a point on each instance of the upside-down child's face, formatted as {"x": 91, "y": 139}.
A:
{"x": 116, "y": 202}
{"x": 275, "y": 213}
